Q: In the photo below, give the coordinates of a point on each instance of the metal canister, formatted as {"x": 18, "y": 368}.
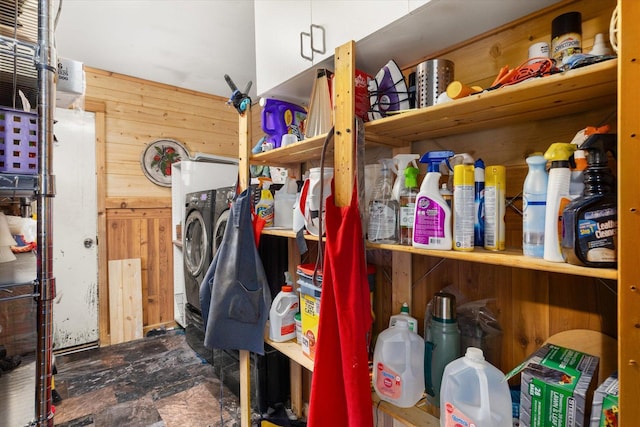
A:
{"x": 432, "y": 78}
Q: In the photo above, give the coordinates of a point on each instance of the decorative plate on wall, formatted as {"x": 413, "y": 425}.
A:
{"x": 157, "y": 158}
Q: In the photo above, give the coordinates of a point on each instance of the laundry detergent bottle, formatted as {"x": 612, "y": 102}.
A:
{"x": 432, "y": 218}
{"x": 282, "y": 322}
{"x": 474, "y": 393}
{"x": 397, "y": 365}
{"x": 590, "y": 223}
{"x": 557, "y": 197}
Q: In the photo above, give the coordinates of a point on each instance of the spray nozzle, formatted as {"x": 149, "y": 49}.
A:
{"x": 435, "y": 158}
{"x": 387, "y": 165}
{"x": 560, "y": 151}
{"x": 597, "y": 145}
{"x": 411, "y": 177}
{"x": 401, "y": 161}
{"x": 459, "y": 159}
{"x": 265, "y": 182}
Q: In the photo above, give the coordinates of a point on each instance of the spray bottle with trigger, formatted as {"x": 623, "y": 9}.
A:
{"x": 265, "y": 207}
{"x": 432, "y": 218}
{"x": 590, "y": 222}
{"x": 557, "y": 197}
{"x": 383, "y": 209}
{"x": 400, "y": 163}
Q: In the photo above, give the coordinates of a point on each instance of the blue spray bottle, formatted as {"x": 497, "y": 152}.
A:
{"x": 478, "y": 223}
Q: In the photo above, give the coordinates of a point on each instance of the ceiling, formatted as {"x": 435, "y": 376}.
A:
{"x": 190, "y": 44}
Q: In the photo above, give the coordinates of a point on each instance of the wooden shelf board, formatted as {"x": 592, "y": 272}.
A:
{"x": 284, "y": 232}
{"x": 415, "y": 416}
{"x": 292, "y": 350}
{"x": 299, "y": 152}
{"x": 508, "y": 258}
{"x": 570, "y": 92}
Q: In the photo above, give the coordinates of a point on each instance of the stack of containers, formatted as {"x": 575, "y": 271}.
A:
{"x": 309, "y": 307}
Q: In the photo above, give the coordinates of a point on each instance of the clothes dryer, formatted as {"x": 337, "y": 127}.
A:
{"x": 206, "y": 214}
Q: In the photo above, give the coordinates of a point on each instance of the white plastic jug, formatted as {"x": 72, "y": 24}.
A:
{"x": 282, "y": 322}
{"x": 398, "y": 365}
{"x": 473, "y": 393}
{"x": 312, "y": 199}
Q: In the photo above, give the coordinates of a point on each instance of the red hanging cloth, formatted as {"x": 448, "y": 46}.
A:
{"x": 341, "y": 388}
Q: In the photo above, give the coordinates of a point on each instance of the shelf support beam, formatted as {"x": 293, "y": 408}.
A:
{"x": 628, "y": 212}
{"x": 344, "y": 119}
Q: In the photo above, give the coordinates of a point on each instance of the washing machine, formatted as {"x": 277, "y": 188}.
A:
{"x": 206, "y": 215}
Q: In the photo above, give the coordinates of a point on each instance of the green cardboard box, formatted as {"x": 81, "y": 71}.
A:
{"x": 604, "y": 411}
{"x": 557, "y": 385}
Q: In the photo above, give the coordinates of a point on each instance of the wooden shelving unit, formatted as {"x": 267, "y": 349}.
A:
{"x": 536, "y": 99}
{"x": 612, "y": 83}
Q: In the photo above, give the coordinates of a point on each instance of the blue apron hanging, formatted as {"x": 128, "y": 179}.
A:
{"x": 234, "y": 294}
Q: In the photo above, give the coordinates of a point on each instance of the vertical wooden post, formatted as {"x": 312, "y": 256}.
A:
{"x": 244, "y": 142}
{"x": 344, "y": 119}
{"x": 628, "y": 211}
{"x": 401, "y": 279}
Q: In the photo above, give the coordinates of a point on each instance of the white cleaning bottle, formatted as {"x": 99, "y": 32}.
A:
{"x": 383, "y": 209}
{"x": 404, "y": 315}
{"x": 400, "y": 163}
{"x": 474, "y": 393}
{"x": 432, "y": 219}
{"x": 282, "y": 322}
{"x": 534, "y": 205}
{"x": 557, "y": 197}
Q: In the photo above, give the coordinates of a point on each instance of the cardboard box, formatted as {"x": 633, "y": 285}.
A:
{"x": 556, "y": 388}
{"x": 605, "y": 408}
{"x": 310, "y": 319}
{"x": 362, "y": 102}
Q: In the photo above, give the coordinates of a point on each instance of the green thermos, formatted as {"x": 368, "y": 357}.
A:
{"x": 442, "y": 343}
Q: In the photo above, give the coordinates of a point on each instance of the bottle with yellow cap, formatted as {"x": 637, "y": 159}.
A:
{"x": 463, "y": 207}
{"x": 265, "y": 207}
{"x": 494, "y": 206}
{"x": 558, "y": 197}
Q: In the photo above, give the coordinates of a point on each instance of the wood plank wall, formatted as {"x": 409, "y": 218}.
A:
{"x": 138, "y": 212}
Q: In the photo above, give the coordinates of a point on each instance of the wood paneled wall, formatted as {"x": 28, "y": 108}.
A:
{"x": 138, "y": 212}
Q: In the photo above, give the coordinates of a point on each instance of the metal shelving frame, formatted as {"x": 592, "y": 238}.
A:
{"x": 42, "y": 187}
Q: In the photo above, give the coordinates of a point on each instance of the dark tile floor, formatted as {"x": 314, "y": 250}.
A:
{"x": 157, "y": 381}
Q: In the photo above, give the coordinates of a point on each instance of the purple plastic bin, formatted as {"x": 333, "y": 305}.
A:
{"x": 18, "y": 141}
